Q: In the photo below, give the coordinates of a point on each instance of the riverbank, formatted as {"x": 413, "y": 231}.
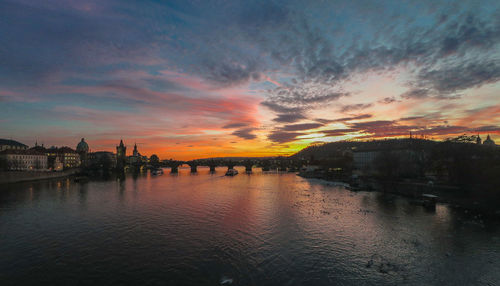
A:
{"x": 18, "y": 176}
{"x": 477, "y": 198}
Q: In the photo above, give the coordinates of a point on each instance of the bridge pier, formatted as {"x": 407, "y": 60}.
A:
{"x": 174, "y": 165}
{"x": 265, "y": 165}
{"x": 230, "y": 166}
{"x": 194, "y": 166}
{"x": 212, "y": 168}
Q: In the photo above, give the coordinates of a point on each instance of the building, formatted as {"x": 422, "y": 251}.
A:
{"x": 363, "y": 159}
{"x": 121, "y": 155}
{"x": 54, "y": 160}
{"x": 409, "y": 152}
{"x": 102, "y": 159}
{"x": 137, "y": 158}
{"x": 83, "y": 149}
{"x": 489, "y": 141}
{"x": 56, "y": 164}
{"x": 7, "y": 144}
{"x": 69, "y": 157}
{"x": 24, "y": 160}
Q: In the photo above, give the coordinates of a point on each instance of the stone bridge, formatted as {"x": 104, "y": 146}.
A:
{"x": 267, "y": 164}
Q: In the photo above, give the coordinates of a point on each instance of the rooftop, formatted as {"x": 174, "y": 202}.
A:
{"x": 11, "y": 143}
{"x": 21, "y": 152}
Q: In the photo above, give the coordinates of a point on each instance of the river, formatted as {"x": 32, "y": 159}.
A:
{"x": 258, "y": 229}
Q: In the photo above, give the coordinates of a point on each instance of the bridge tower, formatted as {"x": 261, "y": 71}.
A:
{"x": 121, "y": 156}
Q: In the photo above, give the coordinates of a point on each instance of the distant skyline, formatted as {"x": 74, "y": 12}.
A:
{"x": 195, "y": 79}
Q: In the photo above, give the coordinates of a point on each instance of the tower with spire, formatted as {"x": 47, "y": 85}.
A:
{"x": 135, "y": 153}
{"x": 489, "y": 141}
{"x": 478, "y": 140}
{"x": 121, "y": 155}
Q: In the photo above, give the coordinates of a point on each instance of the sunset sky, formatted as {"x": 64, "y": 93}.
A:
{"x": 195, "y": 79}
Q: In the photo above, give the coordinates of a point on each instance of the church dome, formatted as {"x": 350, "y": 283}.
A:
{"x": 82, "y": 146}
{"x": 489, "y": 141}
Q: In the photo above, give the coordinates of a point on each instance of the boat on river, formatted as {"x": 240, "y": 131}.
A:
{"x": 157, "y": 172}
{"x": 232, "y": 172}
{"x": 429, "y": 200}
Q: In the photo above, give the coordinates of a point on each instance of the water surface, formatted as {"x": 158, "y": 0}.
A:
{"x": 258, "y": 229}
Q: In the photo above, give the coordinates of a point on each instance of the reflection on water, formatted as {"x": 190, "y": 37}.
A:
{"x": 258, "y": 229}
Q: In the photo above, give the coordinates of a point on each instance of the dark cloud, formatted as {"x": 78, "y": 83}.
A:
{"x": 48, "y": 41}
{"x": 304, "y": 96}
{"x": 285, "y": 114}
{"x": 253, "y": 17}
{"x": 415, "y": 94}
{"x": 460, "y": 76}
{"x": 441, "y": 55}
{"x": 276, "y": 107}
{"x": 487, "y": 128}
{"x": 388, "y": 100}
{"x": 299, "y": 127}
{"x": 289, "y": 118}
{"x": 441, "y": 130}
{"x": 381, "y": 128}
{"x": 355, "y": 107}
{"x": 338, "y": 132}
{"x": 471, "y": 32}
{"x": 411, "y": 118}
{"x": 344, "y": 119}
{"x": 369, "y": 125}
{"x": 234, "y": 125}
{"x": 245, "y": 133}
{"x": 246, "y": 24}
{"x": 358, "y": 117}
{"x": 230, "y": 71}
{"x": 283, "y": 136}
{"x": 323, "y": 121}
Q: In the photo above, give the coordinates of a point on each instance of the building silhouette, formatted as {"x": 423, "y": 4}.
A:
{"x": 121, "y": 156}
{"x": 7, "y": 144}
{"x": 83, "y": 149}
{"x": 489, "y": 141}
{"x": 137, "y": 159}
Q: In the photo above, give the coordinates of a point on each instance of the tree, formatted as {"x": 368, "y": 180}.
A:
{"x": 387, "y": 164}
